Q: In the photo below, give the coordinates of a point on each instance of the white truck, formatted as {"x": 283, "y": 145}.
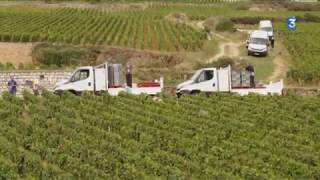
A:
{"x": 258, "y": 43}
{"x": 105, "y": 78}
{"x": 209, "y": 80}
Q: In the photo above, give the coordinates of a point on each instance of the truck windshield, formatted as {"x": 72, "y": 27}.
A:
{"x": 268, "y": 29}
{"x": 80, "y": 75}
{"x": 261, "y": 41}
{"x": 205, "y": 76}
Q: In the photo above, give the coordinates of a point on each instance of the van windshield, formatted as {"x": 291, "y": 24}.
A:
{"x": 268, "y": 29}
{"x": 258, "y": 41}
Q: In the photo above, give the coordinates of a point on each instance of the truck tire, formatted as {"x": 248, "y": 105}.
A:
{"x": 249, "y": 53}
{"x": 77, "y": 93}
{"x": 193, "y": 92}
{"x": 179, "y": 94}
{"x": 58, "y": 92}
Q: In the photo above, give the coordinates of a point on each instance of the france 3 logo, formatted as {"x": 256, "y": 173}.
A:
{"x": 291, "y": 23}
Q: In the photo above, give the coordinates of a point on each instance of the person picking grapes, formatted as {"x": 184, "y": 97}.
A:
{"x": 12, "y": 86}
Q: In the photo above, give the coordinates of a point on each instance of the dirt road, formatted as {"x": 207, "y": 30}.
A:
{"x": 227, "y": 48}
{"x": 280, "y": 68}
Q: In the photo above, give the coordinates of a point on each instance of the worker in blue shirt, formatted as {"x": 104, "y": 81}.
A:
{"x": 12, "y": 86}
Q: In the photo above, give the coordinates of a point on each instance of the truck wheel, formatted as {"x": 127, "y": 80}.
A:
{"x": 77, "y": 93}
{"x": 58, "y": 92}
{"x": 195, "y": 92}
{"x": 179, "y": 94}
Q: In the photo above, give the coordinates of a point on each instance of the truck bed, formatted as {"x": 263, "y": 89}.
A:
{"x": 271, "y": 88}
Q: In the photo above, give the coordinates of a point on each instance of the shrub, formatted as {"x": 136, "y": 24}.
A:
{"x": 225, "y": 25}
{"x": 29, "y": 66}
{"x": 209, "y": 24}
{"x": 2, "y": 67}
{"x": 252, "y": 20}
{"x": 61, "y": 55}
{"x": 311, "y": 18}
{"x": 9, "y": 66}
{"x": 221, "y": 62}
{"x": 243, "y": 6}
{"x": 299, "y": 6}
{"x": 20, "y": 66}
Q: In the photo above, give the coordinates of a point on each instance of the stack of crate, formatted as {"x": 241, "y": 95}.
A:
{"x": 245, "y": 79}
{"x": 240, "y": 79}
{"x": 236, "y": 79}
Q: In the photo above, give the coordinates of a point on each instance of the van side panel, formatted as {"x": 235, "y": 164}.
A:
{"x": 224, "y": 80}
{"x": 100, "y": 79}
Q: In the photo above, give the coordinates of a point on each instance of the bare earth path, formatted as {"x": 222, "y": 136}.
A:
{"x": 280, "y": 68}
{"x": 16, "y": 53}
{"x": 231, "y": 48}
{"x": 227, "y": 47}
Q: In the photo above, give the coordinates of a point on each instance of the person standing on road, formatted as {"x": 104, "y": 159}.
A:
{"x": 12, "y": 86}
{"x": 272, "y": 42}
{"x": 36, "y": 87}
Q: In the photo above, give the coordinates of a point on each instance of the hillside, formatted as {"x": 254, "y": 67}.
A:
{"x": 74, "y": 31}
{"x": 136, "y": 137}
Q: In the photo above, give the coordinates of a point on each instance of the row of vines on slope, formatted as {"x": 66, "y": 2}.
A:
{"x": 100, "y": 28}
{"x": 303, "y": 46}
{"x": 134, "y": 137}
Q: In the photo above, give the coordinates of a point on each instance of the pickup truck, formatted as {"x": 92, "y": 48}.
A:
{"x": 213, "y": 79}
{"x": 105, "y": 78}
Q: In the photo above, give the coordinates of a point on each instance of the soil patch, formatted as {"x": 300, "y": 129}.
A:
{"x": 267, "y": 7}
{"x": 16, "y": 53}
{"x": 280, "y": 68}
{"x": 177, "y": 18}
{"x": 140, "y": 58}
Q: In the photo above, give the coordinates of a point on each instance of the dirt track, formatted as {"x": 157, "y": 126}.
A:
{"x": 227, "y": 47}
{"x": 280, "y": 68}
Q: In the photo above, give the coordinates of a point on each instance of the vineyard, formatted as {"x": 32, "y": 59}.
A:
{"x": 134, "y": 137}
{"x": 72, "y": 26}
{"x": 303, "y": 45}
{"x": 134, "y": 28}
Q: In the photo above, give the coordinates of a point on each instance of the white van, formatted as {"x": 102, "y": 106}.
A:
{"x": 258, "y": 43}
{"x": 266, "y": 25}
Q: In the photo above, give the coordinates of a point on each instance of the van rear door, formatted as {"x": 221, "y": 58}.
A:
{"x": 224, "y": 79}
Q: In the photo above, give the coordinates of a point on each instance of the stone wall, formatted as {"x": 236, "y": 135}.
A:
{"x": 24, "y": 78}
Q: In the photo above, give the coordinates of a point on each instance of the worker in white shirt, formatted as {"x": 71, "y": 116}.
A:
{"x": 36, "y": 87}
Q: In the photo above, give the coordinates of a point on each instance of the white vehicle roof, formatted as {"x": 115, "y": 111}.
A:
{"x": 259, "y": 34}
{"x": 265, "y": 23}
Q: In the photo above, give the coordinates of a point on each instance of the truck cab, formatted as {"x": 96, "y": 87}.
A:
{"x": 257, "y": 43}
{"x": 207, "y": 80}
{"x": 266, "y": 25}
{"x": 80, "y": 80}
